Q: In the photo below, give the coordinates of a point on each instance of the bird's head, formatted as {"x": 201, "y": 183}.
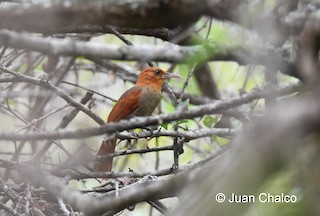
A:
{"x": 155, "y": 77}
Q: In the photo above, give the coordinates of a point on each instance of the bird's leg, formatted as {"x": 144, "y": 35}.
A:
{"x": 133, "y": 134}
{"x": 130, "y": 144}
{"x": 180, "y": 146}
{"x": 153, "y": 130}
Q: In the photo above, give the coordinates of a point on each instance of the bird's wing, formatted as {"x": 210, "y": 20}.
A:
{"x": 126, "y": 105}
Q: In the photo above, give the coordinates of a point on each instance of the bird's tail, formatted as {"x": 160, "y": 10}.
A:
{"x": 107, "y": 147}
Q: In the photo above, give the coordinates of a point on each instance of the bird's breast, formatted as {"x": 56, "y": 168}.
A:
{"x": 148, "y": 101}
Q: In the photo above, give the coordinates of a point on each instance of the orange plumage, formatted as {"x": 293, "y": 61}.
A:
{"x": 140, "y": 100}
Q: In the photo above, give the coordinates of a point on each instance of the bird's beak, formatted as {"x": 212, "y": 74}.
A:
{"x": 170, "y": 75}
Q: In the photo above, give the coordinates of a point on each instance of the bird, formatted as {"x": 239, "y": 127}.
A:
{"x": 140, "y": 100}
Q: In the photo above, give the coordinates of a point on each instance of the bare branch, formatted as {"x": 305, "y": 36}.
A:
{"x": 141, "y": 191}
{"x": 169, "y": 53}
{"x": 139, "y": 122}
{"x": 136, "y": 14}
{"x": 187, "y": 135}
{"x": 64, "y": 17}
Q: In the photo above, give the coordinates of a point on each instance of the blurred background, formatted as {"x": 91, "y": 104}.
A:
{"x": 245, "y": 56}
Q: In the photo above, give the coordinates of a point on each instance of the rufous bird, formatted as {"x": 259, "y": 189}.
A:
{"x": 140, "y": 100}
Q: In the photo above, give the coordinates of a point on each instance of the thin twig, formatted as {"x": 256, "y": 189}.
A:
{"x": 90, "y": 90}
{"x": 17, "y": 77}
{"x": 64, "y": 123}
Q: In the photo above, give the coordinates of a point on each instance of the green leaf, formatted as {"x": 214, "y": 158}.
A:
{"x": 221, "y": 141}
{"x": 179, "y": 123}
{"x": 165, "y": 125}
{"x": 209, "y": 121}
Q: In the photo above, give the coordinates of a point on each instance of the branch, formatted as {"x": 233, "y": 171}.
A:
{"x": 162, "y": 33}
{"x": 76, "y": 16}
{"x": 11, "y": 211}
{"x": 307, "y": 55}
{"x": 187, "y": 135}
{"x": 240, "y": 53}
{"x": 162, "y": 172}
{"x": 139, "y": 122}
{"x": 47, "y": 17}
{"x": 90, "y": 175}
{"x": 141, "y": 191}
{"x": 73, "y": 162}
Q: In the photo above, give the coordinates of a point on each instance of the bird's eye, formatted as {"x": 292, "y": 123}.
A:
{"x": 157, "y": 72}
